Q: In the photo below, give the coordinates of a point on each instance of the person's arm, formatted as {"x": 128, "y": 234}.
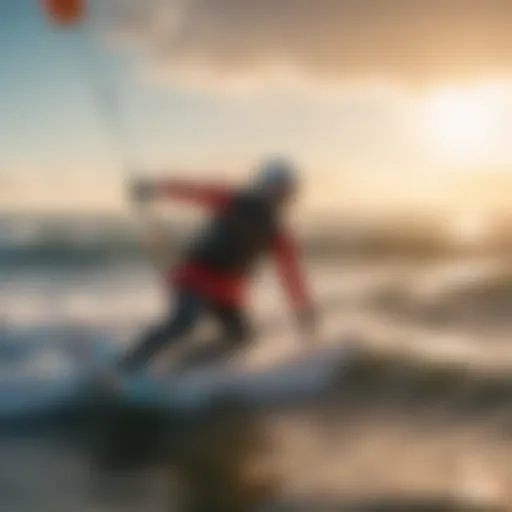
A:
{"x": 287, "y": 259}
{"x": 214, "y": 196}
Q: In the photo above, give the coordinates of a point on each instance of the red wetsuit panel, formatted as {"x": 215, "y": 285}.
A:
{"x": 220, "y": 289}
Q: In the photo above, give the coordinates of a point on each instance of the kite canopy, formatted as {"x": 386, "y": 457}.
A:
{"x": 65, "y": 12}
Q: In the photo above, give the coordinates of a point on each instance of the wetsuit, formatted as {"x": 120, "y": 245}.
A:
{"x": 213, "y": 275}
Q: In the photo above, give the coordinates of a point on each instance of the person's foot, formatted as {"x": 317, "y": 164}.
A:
{"x": 109, "y": 382}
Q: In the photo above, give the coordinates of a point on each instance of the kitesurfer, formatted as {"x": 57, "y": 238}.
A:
{"x": 246, "y": 225}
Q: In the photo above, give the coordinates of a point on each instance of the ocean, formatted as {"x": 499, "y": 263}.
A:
{"x": 378, "y": 440}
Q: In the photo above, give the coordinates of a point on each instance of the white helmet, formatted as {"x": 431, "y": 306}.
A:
{"x": 277, "y": 173}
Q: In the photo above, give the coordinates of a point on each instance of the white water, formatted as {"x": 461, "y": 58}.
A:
{"x": 46, "y": 316}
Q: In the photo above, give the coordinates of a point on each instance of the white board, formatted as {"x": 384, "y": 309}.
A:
{"x": 287, "y": 380}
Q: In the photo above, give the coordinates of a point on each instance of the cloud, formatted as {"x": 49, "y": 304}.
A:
{"x": 416, "y": 41}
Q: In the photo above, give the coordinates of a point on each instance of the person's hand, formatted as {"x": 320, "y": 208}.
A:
{"x": 308, "y": 322}
{"x": 142, "y": 191}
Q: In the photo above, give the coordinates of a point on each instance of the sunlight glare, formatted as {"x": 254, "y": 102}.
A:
{"x": 460, "y": 123}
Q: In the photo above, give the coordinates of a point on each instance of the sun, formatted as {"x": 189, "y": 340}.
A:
{"x": 460, "y": 123}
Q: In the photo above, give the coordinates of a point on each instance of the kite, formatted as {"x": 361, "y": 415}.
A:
{"x": 65, "y": 13}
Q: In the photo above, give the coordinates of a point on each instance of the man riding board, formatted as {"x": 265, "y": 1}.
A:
{"x": 245, "y": 226}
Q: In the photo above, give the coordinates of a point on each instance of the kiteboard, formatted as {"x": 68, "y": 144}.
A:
{"x": 289, "y": 378}
{"x": 143, "y": 414}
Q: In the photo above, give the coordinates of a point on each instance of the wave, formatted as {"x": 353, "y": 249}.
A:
{"x": 57, "y": 253}
{"x": 480, "y": 297}
{"x": 68, "y": 239}
{"x": 44, "y": 378}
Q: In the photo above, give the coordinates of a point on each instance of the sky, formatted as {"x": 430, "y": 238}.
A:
{"x": 384, "y": 104}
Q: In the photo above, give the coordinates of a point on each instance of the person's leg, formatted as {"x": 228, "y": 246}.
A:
{"x": 236, "y": 333}
{"x": 189, "y": 307}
